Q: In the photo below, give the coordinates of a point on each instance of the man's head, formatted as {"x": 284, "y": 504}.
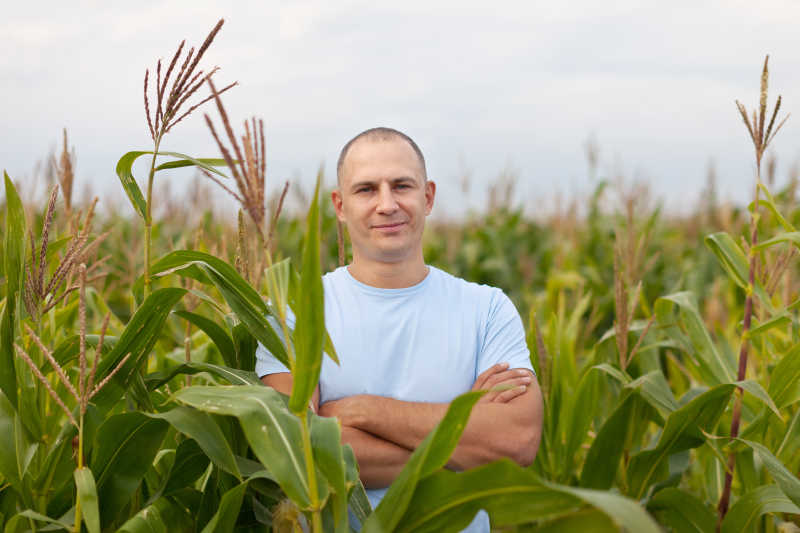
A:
{"x": 383, "y": 195}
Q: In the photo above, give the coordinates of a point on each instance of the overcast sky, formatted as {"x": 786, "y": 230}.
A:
{"x": 483, "y": 87}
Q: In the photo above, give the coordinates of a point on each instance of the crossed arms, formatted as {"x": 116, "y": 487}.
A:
{"x": 384, "y": 432}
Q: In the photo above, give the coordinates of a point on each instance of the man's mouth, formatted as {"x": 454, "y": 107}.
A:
{"x": 388, "y": 227}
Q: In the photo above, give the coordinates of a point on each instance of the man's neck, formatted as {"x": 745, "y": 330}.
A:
{"x": 396, "y": 275}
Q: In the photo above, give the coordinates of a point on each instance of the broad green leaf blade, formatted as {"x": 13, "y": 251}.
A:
{"x": 215, "y": 332}
{"x": 9, "y": 466}
{"x": 310, "y": 316}
{"x": 784, "y": 381}
{"x": 239, "y": 295}
{"x": 682, "y": 511}
{"x": 326, "y": 441}
{"x": 788, "y": 482}
{"x": 626, "y": 513}
{"x": 201, "y": 427}
{"x": 138, "y": 339}
{"x": 735, "y": 263}
{"x": 654, "y": 389}
{"x": 448, "y": 501}
{"x": 778, "y": 321}
{"x": 602, "y": 460}
{"x": 614, "y": 372}
{"x": 431, "y": 455}
{"x": 207, "y": 163}
{"x": 190, "y": 463}
{"x": 743, "y": 515}
{"x": 769, "y": 201}
{"x": 125, "y": 174}
{"x": 713, "y": 364}
{"x": 13, "y": 266}
{"x": 791, "y": 237}
{"x": 683, "y": 430}
{"x": 124, "y": 449}
{"x": 358, "y": 501}
{"x": 277, "y": 277}
{"x": 755, "y": 388}
{"x": 273, "y": 432}
{"x": 87, "y": 492}
{"x": 21, "y": 522}
{"x": 162, "y": 516}
{"x": 224, "y": 520}
{"x": 584, "y": 519}
{"x": 231, "y": 375}
{"x": 68, "y": 350}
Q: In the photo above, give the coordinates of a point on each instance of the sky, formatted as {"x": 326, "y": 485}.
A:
{"x": 485, "y": 88}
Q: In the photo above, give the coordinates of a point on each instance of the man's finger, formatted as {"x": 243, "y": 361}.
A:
{"x": 508, "y": 377}
{"x": 480, "y": 383}
{"x": 507, "y": 396}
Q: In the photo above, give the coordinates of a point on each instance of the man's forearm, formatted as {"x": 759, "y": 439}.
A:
{"x": 379, "y": 461}
{"x": 493, "y": 430}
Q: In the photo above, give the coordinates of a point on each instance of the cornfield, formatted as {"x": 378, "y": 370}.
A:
{"x": 667, "y": 349}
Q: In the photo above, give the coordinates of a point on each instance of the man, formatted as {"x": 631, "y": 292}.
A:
{"x": 410, "y": 337}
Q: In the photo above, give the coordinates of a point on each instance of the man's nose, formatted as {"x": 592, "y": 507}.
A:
{"x": 386, "y": 200}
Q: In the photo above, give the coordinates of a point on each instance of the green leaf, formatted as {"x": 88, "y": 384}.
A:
{"x": 787, "y": 481}
{"x": 310, "y": 316}
{"x": 138, "y": 339}
{"x": 215, "y": 332}
{"x": 201, "y": 427}
{"x": 231, "y": 375}
{"x": 224, "y": 519}
{"x": 326, "y": 440}
{"x": 68, "y": 350}
{"x": 273, "y": 432}
{"x": 448, "y": 501}
{"x": 162, "y": 516}
{"x": 207, "y": 163}
{"x": 87, "y": 492}
{"x": 780, "y": 320}
{"x": 654, "y": 389}
{"x": 125, "y": 174}
{"x": 784, "y": 381}
{"x": 240, "y": 296}
{"x": 683, "y": 430}
{"x": 190, "y": 463}
{"x": 431, "y": 455}
{"x": 512, "y": 495}
{"x": 791, "y": 237}
{"x": 755, "y": 388}
{"x": 9, "y": 464}
{"x": 614, "y": 372}
{"x": 682, "y": 511}
{"x": 602, "y": 460}
{"x": 735, "y": 263}
{"x": 125, "y": 446}
{"x": 714, "y": 366}
{"x": 585, "y": 519}
{"x": 769, "y": 201}
{"x": 743, "y": 515}
{"x": 13, "y": 266}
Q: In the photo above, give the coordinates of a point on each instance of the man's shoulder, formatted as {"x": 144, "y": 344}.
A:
{"x": 469, "y": 289}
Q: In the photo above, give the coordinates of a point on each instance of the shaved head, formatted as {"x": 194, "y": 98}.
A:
{"x": 379, "y": 134}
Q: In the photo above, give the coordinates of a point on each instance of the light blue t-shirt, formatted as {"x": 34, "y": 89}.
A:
{"x": 425, "y": 343}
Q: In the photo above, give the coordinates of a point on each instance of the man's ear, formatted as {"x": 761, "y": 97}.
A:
{"x": 336, "y": 199}
{"x": 430, "y": 194}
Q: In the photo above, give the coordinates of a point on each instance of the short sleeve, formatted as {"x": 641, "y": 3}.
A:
{"x": 504, "y": 340}
{"x": 266, "y": 363}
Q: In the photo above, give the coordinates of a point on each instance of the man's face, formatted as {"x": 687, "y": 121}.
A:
{"x": 383, "y": 198}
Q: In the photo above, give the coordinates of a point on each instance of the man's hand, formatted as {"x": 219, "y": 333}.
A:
{"x": 511, "y": 383}
{"x": 347, "y": 410}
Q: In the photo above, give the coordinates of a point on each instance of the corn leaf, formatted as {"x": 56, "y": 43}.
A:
{"x": 87, "y": 492}
{"x": 231, "y": 375}
{"x": 744, "y": 514}
{"x": 224, "y": 520}
{"x": 129, "y": 185}
{"x": 239, "y": 295}
{"x": 683, "y": 430}
{"x": 124, "y": 449}
{"x": 201, "y": 427}
{"x": 735, "y": 263}
{"x": 682, "y": 511}
{"x": 162, "y": 516}
{"x": 326, "y": 441}
{"x": 13, "y": 266}
{"x": 310, "y": 316}
{"x": 715, "y": 366}
{"x": 272, "y": 431}
{"x": 788, "y": 482}
{"x": 215, "y": 332}
{"x": 138, "y": 339}
{"x": 431, "y": 455}
{"x": 784, "y": 383}
{"x": 190, "y": 463}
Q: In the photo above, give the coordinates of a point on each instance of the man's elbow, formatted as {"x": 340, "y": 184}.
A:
{"x": 525, "y": 446}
